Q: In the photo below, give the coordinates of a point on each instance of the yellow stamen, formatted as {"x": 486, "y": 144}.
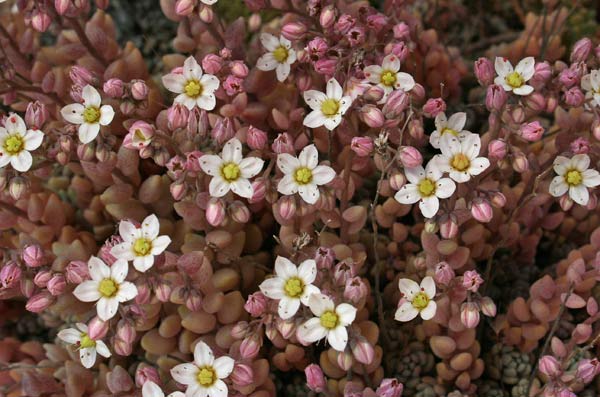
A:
{"x": 420, "y": 301}
{"x": 206, "y": 376}
{"x": 449, "y": 131}
{"x": 14, "y": 144}
{"x": 294, "y": 287}
{"x": 573, "y": 178}
{"x": 330, "y": 107}
{"x": 515, "y": 80}
{"x": 460, "y": 162}
{"x": 329, "y": 319}
{"x": 280, "y": 54}
{"x": 108, "y": 288}
{"x": 230, "y": 172}
{"x": 91, "y": 115}
{"x": 142, "y": 246}
{"x": 426, "y": 187}
{"x": 388, "y": 78}
{"x": 303, "y": 176}
{"x": 193, "y": 88}
{"x": 85, "y": 341}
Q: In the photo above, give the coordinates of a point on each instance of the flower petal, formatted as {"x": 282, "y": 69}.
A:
{"x": 267, "y": 62}
{"x": 332, "y": 122}
{"x": 429, "y": 312}
{"x": 14, "y": 124}
{"x": 526, "y": 68}
{"x": 338, "y": 338}
{"x": 307, "y": 271}
{"x": 251, "y": 166}
{"x": 174, "y": 82}
{"x": 219, "y": 389}
{"x": 272, "y": 288}
{"x": 282, "y": 71}
{"x": 408, "y": 194}
{"x": 429, "y": 206}
{"x": 107, "y": 115}
{"x": 211, "y": 164}
{"x": 33, "y": 139}
{"x": 269, "y": 41}
{"x": 91, "y": 96}
{"x": 160, "y": 244}
{"x": 185, "y": 373}
{"x": 406, "y": 312}
{"x": 322, "y": 175}
{"x": 218, "y": 187}
{"x": 591, "y": 178}
{"x": 287, "y": 307}
{"x": 445, "y": 188}
{"x": 314, "y": 99}
{"x": 408, "y": 288}
{"x": 309, "y": 193}
{"x": 118, "y": 270}
{"x": 523, "y": 90}
{"x": 287, "y": 185}
{"x": 98, "y": 269}
{"x": 73, "y": 113}
{"x": 243, "y": 188}
{"x": 150, "y": 227}
{"x": 415, "y": 175}
{"x": 346, "y": 313}
{"x": 581, "y": 162}
{"x": 561, "y": 164}
{"x": 311, "y": 330}
{"x": 70, "y": 335}
{"x": 87, "y": 357}
{"x": 287, "y": 163}
{"x": 579, "y": 194}
{"x": 428, "y": 286}
{"x": 151, "y": 389}
{"x": 206, "y": 101}
{"x": 88, "y": 132}
{"x": 107, "y": 308}
{"x": 503, "y": 67}
{"x": 22, "y": 161}
{"x": 127, "y": 291}
{"x": 314, "y": 119}
{"x": 210, "y": 83}
{"x": 191, "y": 69}
{"x": 308, "y": 291}
{"x": 404, "y": 81}
{"x": 334, "y": 89}
{"x": 309, "y": 157}
{"x": 284, "y": 268}
{"x": 143, "y": 263}
{"x": 223, "y": 366}
{"x": 558, "y": 186}
{"x": 232, "y": 151}
{"x": 320, "y": 303}
{"x": 478, "y": 165}
{"x": 102, "y": 349}
{"x": 457, "y": 121}
{"x": 203, "y": 355}
{"x": 87, "y": 291}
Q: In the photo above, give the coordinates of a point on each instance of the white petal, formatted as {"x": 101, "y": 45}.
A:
{"x": 87, "y": 291}
{"x": 88, "y": 132}
{"x": 558, "y": 186}
{"x": 478, "y": 165}
{"x": 22, "y": 161}
{"x": 210, "y": 83}
{"x": 579, "y": 194}
{"x": 118, "y": 270}
{"x": 269, "y": 41}
{"x": 151, "y": 389}
{"x": 309, "y": 193}
{"x": 232, "y": 151}
{"x": 14, "y": 124}
{"x": 445, "y": 188}
{"x": 346, "y": 313}
{"x": 460, "y": 176}
{"x": 471, "y": 146}
{"x": 406, "y": 312}
{"x": 73, "y": 113}
{"x": 373, "y": 73}
{"x": 4, "y": 158}
{"x": 523, "y": 90}
{"x": 218, "y": 187}
{"x": 457, "y": 121}
{"x": 322, "y": 175}
{"x": 98, "y": 269}
{"x": 429, "y": 311}
{"x": 312, "y": 330}
{"x": 70, "y": 335}
{"x": 219, "y": 389}
{"x": 185, "y": 373}
{"x": 174, "y": 82}
{"x": 186, "y": 101}
{"x": 284, "y": 268}
{"x": 287, "y": 163}
{"x": 242, "y": 187}
{"x": 408, "y": 288}
{"x": 503, "y": 67}
{"x": 334, "y": 89}
{"x": 408, "y": 194}
{"x": 526, "y": 68}
{"x": 206, "y": 101}
{"x": 102, "y": 349}
{"x": 429, "y": 206}
{"x": 191, "y": 69}
{"x": 428, "y": 286}
{"x": 287, "y": 185}
{"x": 273, "y": 288}
{"x": 211, "y": 164}
{"x": 415, "y": 175}
{"x": 87, "y": 357}
{"x": 345, "y": 103}
{"x": 404, "y": 81}
{"x": 282, "y": 71}
{"x": 176, "y": 394}
{"x": 307, "y": 271}
{"x": 441, "y": 122}
{"x": 106, "y": 115}
{"x": 33, "y": 139}
{"x": 314, "y": 119}
{"x": 338, "y": 338}
{"x": 223, "y": 366}
{"x": 580, "y": 162}
{"x": 391, "y": 63}
{"x": 150, "y": 227}
{"x": 561, "y": 164}
{"x": 127, "y": 291}
{"x": 591, "y": 178}
{"x": 308, "y": 291}
{"x": 320, "y": 303}
{"x": 251, "y": 166}
{"x": 143, "y": 263}
{"x": 91, "y": 96}
{"x": 160, "y": 244}
{"x": 332, "y": 122}
{"x": 309, "y": 157}
{"x": 196, "y": 390}
{"x": 267, "y": 62}
{"x": 314, "y": 99}
{"x": 107, "y": 308}
{"x": 203, "y": 355}
{"x": 287, "y": 307}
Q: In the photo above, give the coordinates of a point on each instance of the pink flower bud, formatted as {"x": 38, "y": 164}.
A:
{"x": 178, "y": 190}
{"x": 286, "y": 207}
{"x": 326, "y": 66}
{"x": 239, "y": 69}
{"x": 57, "y": 285}
{"x": 397, "y": 181}
{"x": 97, "y": 329}
{"x": 114, "y": 88}
{"x": 588, "y": 369}
{"x": 469, "y": 314}
{"x": 401, "y": 50}
{"x": 362, "y": 146}
{"x": 256, "y": 304}
{"x": 193, "y": 301}
{"x": 145, "y": 373}
{"x": 34, "y": 256}
{"x": 256, "y": 138}
{"x": 139, "y": 90}
{"x": 10, "y": 275}
{"x": 581, "y": 50}
{"x": 433, "y": 107}
{"x": 77, "y": 272}
{"x": 372, "y": 116}
{"x": 574, "y": 97}
{"x": 580, "y": 146}
{"x": 239, "y": 212}
{"x": 484, "y": 71}
{"x": 535, "y": 102}
{"x": 397, "y": 102}
{"x": 61, "y": 6}
{"x": 284, "y": 143}
{"x": 125, "y": 331}
{"x": 163, "y": 291}
{"x": 41, "y": 278}
{"x": 520, "y": 163}
{"x": 212, "y": 63}
{"x": 448, "y": 226}
{"x": 184, "y": 7}
{"x": 568, "y": 77}
{"x": 355, "y": 290}
{"x": 177, "y": 116}
{"x": 81, "y": 76}
{"x": 40, "y": 21}
{"x": 497, "y": 149}
{"x": 344, "y": 23}
{"x": 543, "y": 73}
{"x": 242, "y": 375}
{"x": 390, "y": 387}
{"x": 121, "y": 347}
{"x": 471, "y": 280}
{"x": 401, "y": 31}
{"x": 215, "y": 212}
{"x": 223, "y": 131}
{"x": 260, "y": 190}
{"x": 481, "y": 210}
{"x": 36, "y": 115}
{"x": 549, "y": 366}
{"x": 363, "y": 351}
{"x": 250, "y": 346}
{"x": 39, "y": 302}
{"x": 327, "y": 17}
{"x": 294, "y": 31}
{"x": 488, "y": 307}
{"x": 374, "y": 94}
{"x": 410, "y": 157}
{"x": 233, "y": 85}
{"x": 356, "y": 36}
{"x": 315, "y": 379}
{"x": 344, "y": 360}
{"x": 443, "y": 273}
{"x": 324, "y": 258}
{"x": 495, "y": 97}
{"x": 532, "y": 131}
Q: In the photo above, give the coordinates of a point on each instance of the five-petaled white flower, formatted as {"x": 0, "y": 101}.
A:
{"x": 194, "y": 87}
{"x": 16, "y": 141}
{"x": 90, "y": 116}
{"x": 291, "y": 285}
{"x": 514, "y": 79}
{"x": 327, "y": 108}
{"x": 388, "y": 77}
{"x": 142, "y": 244}
{"x": 88, "y": 347}
{"x": 453, "y": 126}
{"x": 459, "y": 158}
{"x": 330, "y": 322}
{"x": 303, "y": 175}
{"x": 416, "y": 299}
{"x": 280, "y": 56}
{"x": 107, "y": 286}
{"x": 574, "y": 177}
{"x": 426, "y": 186}
{"x": 591, "y": 84}
{"x": 151, "y": 389}
{"x": 230, "y": 171}
{"x": 204, "y": 376}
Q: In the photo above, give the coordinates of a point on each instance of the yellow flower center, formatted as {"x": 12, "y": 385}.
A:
{"x": 449, "y": 131}
{"x": 573, "y": 178}
{"x": 460, "y": 162}
{"x": 294, "y": 287}
{"x": 85, "y": 341}
{"x": 303, "y": 176}
{"x": 420, "y": 301}
{"x": 108, "y": 288}
{"x": 193, "y": 88}
{"x": 388, "y": 78}
{"x": 91, "y": 115}
{"x": 280, "y": 54}
{"x": 139, "y": 135}
{"x": 14, "y": 144}
{"x": 329, "y": 319}
{"x": 515, "y": 80}
{"x": 426, "y": 187}
{"x": 206, "y": 376}
{"x": 142, "y": 246}
{"x": 230, "y": 172}
{"x": 330, "y": 107}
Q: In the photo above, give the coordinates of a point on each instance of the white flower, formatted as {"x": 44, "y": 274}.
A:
{"x": 426, "y": 186}
{"x": 87, "y": 346}
{"x": 291, "y": 285}
{"x": 388, "y": 77}
{"x": 453, "y": 126}
{"x": 330, "y": 322}
{"x": 303, "y": 174}
{"x": 280, "y": 56}
{"x": 107, "y": 286}
{"x": 459, "y": 158}
{"x": 514, "y": 80}
{"x": 151, "y": 389}
{"x": 90, "y": 116}
{"x": 142, "y": 244}
{"x": 230, "y": 171}
{"x": 194, "y": 88}
{"x": 574, "y": 177}
{"x": 16, "y": 142}
{"x": 591, "y": 84}
{"x": 204, "y": 376}
{"x": 328, "y": 108}
{"x": 209, "y": 2}
{"x": 418, "y": 299}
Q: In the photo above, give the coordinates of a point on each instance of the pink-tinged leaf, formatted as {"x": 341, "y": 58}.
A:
{"x": 592, "y": 306}
{"x": 574, "y": 301}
